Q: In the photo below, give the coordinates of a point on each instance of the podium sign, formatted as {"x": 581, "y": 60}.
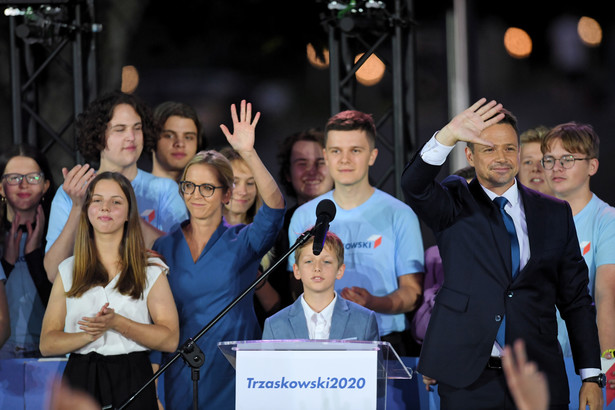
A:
{"x": 313, "y": 374}
{"x": 306, "y": 379}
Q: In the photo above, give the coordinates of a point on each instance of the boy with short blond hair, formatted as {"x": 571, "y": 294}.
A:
{"x": 319, "y": 313}
{"x": 570, "y": 160}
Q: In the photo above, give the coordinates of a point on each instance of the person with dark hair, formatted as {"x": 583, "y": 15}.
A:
{"x": 531, "y": 172}
{"x": 111, "y": 302}
{"x": 381, "y": 234}
{"x": 180, "y": 138}
{"x": 303, "y": 171}
{"x": 112, "y": 132}
{"x": 27, "y": 186}
{"x": 468, "y": 173}
{"x": 213, "y": 262}
{"x": 510, "y": 257}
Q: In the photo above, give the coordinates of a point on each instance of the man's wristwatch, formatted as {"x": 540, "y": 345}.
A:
{"x": 600, "y": 380}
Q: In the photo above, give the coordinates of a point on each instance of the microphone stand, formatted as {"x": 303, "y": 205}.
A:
{"x": 190, "y": 351}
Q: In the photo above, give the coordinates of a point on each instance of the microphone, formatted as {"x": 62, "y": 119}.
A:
{"x": 325, "y": 212}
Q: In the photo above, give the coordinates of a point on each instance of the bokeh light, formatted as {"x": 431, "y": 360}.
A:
{"x": 517, "y": 42}
{"x": 314, "y": 60}
{"x": 372, "y": 70}
{"x": 590, "y": 31}
{"x": 130, "y": 79}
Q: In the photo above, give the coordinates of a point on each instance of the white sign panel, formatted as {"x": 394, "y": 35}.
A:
{"x": 306, "y": 380}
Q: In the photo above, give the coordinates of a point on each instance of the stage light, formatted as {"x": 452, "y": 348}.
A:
{"x": 517, "y": 42}
{"x": 589, "y": 31}
{"x": 372, "y": 70}
{"x": 315, "y": 59}
{"x": 130, "y": 79}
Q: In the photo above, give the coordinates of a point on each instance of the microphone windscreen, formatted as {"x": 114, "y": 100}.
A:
{"x": 326, "y": 207}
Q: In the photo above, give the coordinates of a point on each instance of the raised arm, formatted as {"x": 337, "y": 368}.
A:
{"x": 75, "y": 185}
{"x": 468, "y": 125}
{"x": 242, "y": 141}
{"x": 429, "y": 200}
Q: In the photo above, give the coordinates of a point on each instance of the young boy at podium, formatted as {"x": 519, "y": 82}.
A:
{"x": 320, "y": 313}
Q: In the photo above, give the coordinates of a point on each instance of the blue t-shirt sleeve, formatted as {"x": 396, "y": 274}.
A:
{"x": 409, "y": 252}
{"x": 172, "y": 207}
{"x": 605, "y": 244}
{"x": 58, "y": 215}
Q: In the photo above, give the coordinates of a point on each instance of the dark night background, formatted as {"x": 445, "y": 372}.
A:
{"x": 214, "y": 53}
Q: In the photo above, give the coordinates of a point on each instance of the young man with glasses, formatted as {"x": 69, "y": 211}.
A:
{"x": 570, "y": 160}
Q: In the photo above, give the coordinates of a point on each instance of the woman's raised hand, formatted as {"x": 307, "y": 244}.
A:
{"x": 242, "y": 138}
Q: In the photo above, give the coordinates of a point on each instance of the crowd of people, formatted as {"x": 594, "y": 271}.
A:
{"x": 156, "y": 233}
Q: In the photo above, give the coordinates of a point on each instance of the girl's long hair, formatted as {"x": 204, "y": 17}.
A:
{"x": 88, "y": 270}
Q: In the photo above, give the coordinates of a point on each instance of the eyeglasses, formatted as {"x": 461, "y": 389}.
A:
{"x": 206, "y": 190}
{"x": 33, "y": 178}
{"x": 566, "y": 161}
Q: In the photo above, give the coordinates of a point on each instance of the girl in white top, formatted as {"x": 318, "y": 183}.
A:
{"x": 111, "y": 303}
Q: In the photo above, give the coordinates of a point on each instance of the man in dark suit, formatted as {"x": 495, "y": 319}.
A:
{"x": 506, "y": 268}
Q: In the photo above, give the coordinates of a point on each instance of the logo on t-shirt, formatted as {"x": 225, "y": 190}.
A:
{"x": 585, "y": 247}
{"x": 148, "y": 215}
{"x": 372, "y": 242}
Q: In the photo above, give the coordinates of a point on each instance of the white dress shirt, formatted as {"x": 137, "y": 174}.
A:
{"x": 318, "y": 323}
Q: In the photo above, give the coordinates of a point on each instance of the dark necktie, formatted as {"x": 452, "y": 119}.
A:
{"x": 515, "y": 255}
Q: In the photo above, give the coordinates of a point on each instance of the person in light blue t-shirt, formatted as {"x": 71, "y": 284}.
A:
{"x": 382, "y": 238}
{"x": 112, "y": 131}
{"x": 570, "y": 160}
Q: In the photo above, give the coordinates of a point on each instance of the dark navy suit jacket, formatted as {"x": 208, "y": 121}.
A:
{"x": 478, "y": 288}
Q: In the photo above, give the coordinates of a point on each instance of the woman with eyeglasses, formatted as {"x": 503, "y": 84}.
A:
{"x": 26, "y": 190}
{"x": 212, "y": 262}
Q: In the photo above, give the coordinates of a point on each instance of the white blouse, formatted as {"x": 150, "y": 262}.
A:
{"x": 90, "y": 303}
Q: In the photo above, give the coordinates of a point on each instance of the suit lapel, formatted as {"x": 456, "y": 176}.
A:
{"x": 498, "y": 231}
{"x": 296, "y": 317}
{"x": 536, "y": 225}
{"x": 339, "y": 319}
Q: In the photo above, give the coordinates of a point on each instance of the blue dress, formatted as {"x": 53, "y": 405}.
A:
{"x": 202, "y": 289}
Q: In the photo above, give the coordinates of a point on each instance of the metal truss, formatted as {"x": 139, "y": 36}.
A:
{"x": 375, "y": 28}
{"x": 51, "y": 47}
